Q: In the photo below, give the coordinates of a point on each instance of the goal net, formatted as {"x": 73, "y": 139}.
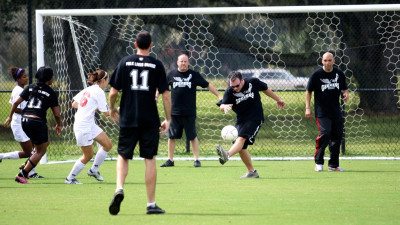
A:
{"x": 280, "y": 45}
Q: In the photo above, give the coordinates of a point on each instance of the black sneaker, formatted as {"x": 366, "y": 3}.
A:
{"x": 36, "y": 176}
{"x": 197, "y": 163}
{"x": 116, "y": 202}
{"x": 155, "y": 210}
{"x": 168, "y": 163}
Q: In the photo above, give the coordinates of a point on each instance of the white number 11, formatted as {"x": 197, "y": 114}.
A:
{"x": 145, "y": 79}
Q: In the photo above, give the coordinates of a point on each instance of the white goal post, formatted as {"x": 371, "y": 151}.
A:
{"x": 259, "y": 37}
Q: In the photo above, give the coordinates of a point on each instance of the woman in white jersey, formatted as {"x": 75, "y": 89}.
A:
{"x": 86, "y": 130}
{"x": 21, "y": 79}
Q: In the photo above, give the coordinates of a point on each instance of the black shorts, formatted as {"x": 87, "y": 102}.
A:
{"x": 249, "y": 131}
{"x": 36, "y": 130}
{"x": 148, "y": 139}
{"x": 178, "y": 123}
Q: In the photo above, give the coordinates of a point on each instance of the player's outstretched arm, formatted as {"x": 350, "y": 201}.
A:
{"x": 214, "y": 90}
{"x": 279, "y": 102}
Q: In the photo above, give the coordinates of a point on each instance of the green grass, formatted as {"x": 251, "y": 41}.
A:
{"x": 289, "y": 192}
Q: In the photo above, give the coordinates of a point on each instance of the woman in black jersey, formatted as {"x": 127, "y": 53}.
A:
{"x": 40, "y": 97}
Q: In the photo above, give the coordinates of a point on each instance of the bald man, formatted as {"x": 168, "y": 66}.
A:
{"x": 329, "y": 85}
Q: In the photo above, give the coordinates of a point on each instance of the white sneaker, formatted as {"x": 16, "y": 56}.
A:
{"x": 95, "y": 175}
{"x": 72, "y": 181}
{"x": 318, "y": 167}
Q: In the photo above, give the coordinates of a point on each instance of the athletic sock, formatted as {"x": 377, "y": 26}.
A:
{"x": 151, "y": 204}
{"x": 98, "y": 159}
{"x": 32, "y": 172}
{"x": 76, "y": 169}
{"x": 10, "y": 155}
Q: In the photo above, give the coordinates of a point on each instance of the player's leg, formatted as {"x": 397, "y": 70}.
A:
{"x": 122, "y": 172}
{"x": 246, "y": 158}
{"x": 191, "y": 134}
{"x": 25, "y": 142}
{"x": 334, "y": 145}
{"x": 79, "y": 165}
{"x": 33, "y": 160}
{"x": 322, "y": 140}
{"x": 174, "y": 132}
{"x": 104, "y": 145}
{"x": 128, "y": 137}
{"x": 148, "y": 147}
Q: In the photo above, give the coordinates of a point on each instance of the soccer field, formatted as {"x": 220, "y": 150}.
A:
{"x": 288, "y": 192}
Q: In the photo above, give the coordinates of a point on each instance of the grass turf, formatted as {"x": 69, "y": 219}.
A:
{"x": 288, "y": 192}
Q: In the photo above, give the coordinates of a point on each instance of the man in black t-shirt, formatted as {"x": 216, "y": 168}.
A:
{"x": 328, "y": 84}
{"x": 183, "y": 83}
{"x": 138, "y": 77}
{"x": 40, "y": 97}
{"x": 244, "y": 99}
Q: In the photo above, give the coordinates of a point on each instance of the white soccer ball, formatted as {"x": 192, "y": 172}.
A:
{"x": 229, "y": 133}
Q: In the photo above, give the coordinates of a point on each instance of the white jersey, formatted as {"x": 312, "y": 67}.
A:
{"x": 16, "y": 119}
{"x": 89, "y": 100}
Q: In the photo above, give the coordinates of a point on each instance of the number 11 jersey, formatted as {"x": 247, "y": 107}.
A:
{"x": 138, "y": 77}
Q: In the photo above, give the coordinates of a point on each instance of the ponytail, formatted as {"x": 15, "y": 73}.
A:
{"x": 96, "y": 76}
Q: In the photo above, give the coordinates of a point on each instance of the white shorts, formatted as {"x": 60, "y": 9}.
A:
{"x": 85, "y": 137}
{"x": 19, "y": 134}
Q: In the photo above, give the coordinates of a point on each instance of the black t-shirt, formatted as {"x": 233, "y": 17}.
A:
{"x": 139, "y": 77}
{"x": 327, "y": 88}
{"x": 40, "y": 97}
{"x": 247, "y": 103}
{"x": 183, "y": 91}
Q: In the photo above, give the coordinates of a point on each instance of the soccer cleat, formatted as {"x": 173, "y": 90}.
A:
{"x": 251, "y": 174}
{"x": 223, "y": 155}
{"x": 335, "y": 169}
{"x": 155, "y": 210}
{"x": 21, "y": 179}
{"x": 116, "y": 202}
{"x": 197, "y": 163}
{"x": 168, "y": 163}
{"x": 36, "y": 176}
{"x": 95, "y": 175}
{"x": 318, "y": 168}
{"x": 72, "y": 181}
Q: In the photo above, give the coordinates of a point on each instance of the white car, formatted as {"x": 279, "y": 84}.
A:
{"x": 277, "y": 79}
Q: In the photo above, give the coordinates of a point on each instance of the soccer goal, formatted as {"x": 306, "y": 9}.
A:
{"x": 283, "y": 45}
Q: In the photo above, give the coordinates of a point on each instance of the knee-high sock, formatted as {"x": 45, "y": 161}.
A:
{"x": 99, "y": 159}
{"x": 76, "y": 169}
{"x": 10, "y": 155}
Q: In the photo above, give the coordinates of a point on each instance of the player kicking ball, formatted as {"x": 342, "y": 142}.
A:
{"x": 242, "y": 96}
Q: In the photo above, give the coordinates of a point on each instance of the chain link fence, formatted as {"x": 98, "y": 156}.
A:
{"x": 281, "y": 49}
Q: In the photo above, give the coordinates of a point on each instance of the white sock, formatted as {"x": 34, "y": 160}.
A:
{"x": 76, "y": 169}
{"x": 10, "y": 155}
{"x": 32, "y": 172}
{"x": 151, "y": 204}
{"x": 99, "y": 159}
